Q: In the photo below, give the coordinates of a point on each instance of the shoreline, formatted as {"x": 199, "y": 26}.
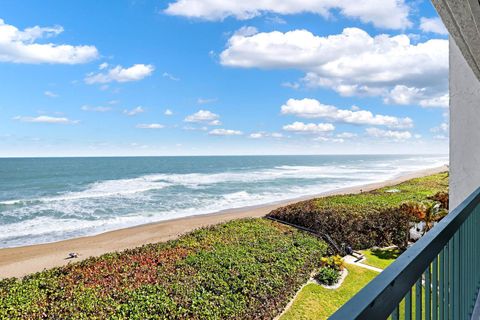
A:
{"x": 20, "y": 261}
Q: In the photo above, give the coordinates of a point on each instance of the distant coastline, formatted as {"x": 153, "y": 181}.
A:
{"x": 21, "y": 261}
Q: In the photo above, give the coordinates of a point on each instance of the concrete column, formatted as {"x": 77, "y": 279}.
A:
{"x": 464, "y": 128}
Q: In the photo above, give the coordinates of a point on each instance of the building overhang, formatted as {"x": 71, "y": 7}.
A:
{"x": 462, "y": 19}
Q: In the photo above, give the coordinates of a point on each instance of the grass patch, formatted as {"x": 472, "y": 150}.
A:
{"x": 244, "y": 269}
{"x": 316, "y": 302}
{"x": 417, "y": 189}
{"x": 380, "y": 258}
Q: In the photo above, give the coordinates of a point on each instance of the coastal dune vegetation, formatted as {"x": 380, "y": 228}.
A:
{"x": 377, "y": 218}
{"x": 244, "y": 269}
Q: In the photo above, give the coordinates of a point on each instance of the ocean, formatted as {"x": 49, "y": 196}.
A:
{"x": 50, "y": 199}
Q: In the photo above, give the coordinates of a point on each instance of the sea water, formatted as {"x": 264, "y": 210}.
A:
{"x": 50, "y": 199}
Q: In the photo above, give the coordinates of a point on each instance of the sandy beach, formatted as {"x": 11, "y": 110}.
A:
{"x": 20, "y": 261}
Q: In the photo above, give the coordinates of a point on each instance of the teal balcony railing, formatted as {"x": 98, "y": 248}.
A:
{"x": 437, "y": 278}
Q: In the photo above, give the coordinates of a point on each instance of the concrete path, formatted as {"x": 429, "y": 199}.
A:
{"x": 353, "y": 260}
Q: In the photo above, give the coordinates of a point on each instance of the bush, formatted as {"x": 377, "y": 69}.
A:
{"x": 333, "y": 262}
{"x": 244, "y": 269}
{"x": 327, "y": 276}
{"x": 367, "y": 219}
{"x": 441, "y": 197}
{"x": 361, "y": 229}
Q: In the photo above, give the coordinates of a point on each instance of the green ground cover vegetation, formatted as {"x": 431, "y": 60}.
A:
{"x": 245, "y": 269}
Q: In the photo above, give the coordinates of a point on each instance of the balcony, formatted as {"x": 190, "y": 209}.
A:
{"x": 437, "y": 278}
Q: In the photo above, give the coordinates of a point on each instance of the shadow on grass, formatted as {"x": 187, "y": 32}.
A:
{"x": 386, "y": 254}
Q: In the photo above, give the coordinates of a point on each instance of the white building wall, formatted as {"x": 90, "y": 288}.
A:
{"x": 464, "y": 128}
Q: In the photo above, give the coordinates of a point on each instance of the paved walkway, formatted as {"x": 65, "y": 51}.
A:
{"x": 354, "y": 260}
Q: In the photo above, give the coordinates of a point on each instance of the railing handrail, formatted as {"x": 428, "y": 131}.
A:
{"x": 382, "y": 295}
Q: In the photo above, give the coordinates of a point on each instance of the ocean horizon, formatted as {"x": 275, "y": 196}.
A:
{"x": 51, "y": 199}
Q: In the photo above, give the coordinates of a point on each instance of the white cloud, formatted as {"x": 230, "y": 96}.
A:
{"x": 434, "y": 25}
{"x": 206, "y": 100}
{"x": 404, "y": 95}
{"x": 170, "y": 76}
{"x": 291, "y": 85}
{"x": 263, "y": 134}
{"x": 134, "y": 111}
{"x": 329, "y": 139}
{"x": 22, "y": 47}
{"x": 204, "y": 116}
{"x": 257, "y": 135}
{"x": 150, "y": 126}
{"x": 103, "y": 66}
{"x": 95, "y": 109}
{"x": 312, "y": 128}
{"x": 389, "y": 134}
{"x": 311, "y": 108}
{"x": 392, "y": 14}
{"x": 347, "y": 135}
{"x": 444, "y": 127}
{"x": 46, "y": 119}
{"x": 120, "y": 74}
{"x": 168, "y": 112}
{"x": 50, "y": 94}
{"x": 225, "y": 132}
{"x": 351, "y": 63}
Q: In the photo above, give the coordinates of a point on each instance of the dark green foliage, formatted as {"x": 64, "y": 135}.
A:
{"x": 327, "y": 275}
{"x": 364, "y": 220}
{"x": 245, "y": 269}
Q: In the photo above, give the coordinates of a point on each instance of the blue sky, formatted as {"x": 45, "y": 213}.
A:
{"x": 208, "y": 77}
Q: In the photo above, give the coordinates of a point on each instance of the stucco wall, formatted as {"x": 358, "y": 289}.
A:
{"x": 464, "y": 128}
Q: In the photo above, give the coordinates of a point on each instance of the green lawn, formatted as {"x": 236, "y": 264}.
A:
{"x": 380, "y": 258}
{"x": 417, "y": 189}
{"x": 316, "y": 302}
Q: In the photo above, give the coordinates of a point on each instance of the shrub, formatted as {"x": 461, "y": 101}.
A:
{"x": 441, "y": 197}
{"x": 333, "y": 262}
{"x": 244, "y": 269}
{"x": 364, "y": 228}
{"x": 328, "y": 276}
{"x": 368, "y": 219}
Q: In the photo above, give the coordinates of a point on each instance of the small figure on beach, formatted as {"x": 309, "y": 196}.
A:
{"x": 72, "y": 255}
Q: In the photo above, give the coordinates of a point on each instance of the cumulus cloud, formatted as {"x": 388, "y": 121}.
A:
{"x": 120, "y": 74}
{"x": 311, "y": 128}
{"x": 434, "y": 25}
{"x": 351, "y": 63}
{"x": 46, "y": 119}
{"x": 134, "y": 111}
{"x": 404, "y": 95}
{"x": 204, "y": 116}
{"x": 50, "y": 94}
{"x": 150, "y": 126}
{"x": 347, "y": 135}
{"x": 311, "y": 108}
{"x": 263, "y": 134}
{"x": 168, "y": 112}
{"x": 225, "y": 132}
{"x": 19, "y": 46}
{"x": 389, "y": 134}
{"x": 443, "y": 128}
{"x": 95, "y": 109}
{"x": 392, "y": 14}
